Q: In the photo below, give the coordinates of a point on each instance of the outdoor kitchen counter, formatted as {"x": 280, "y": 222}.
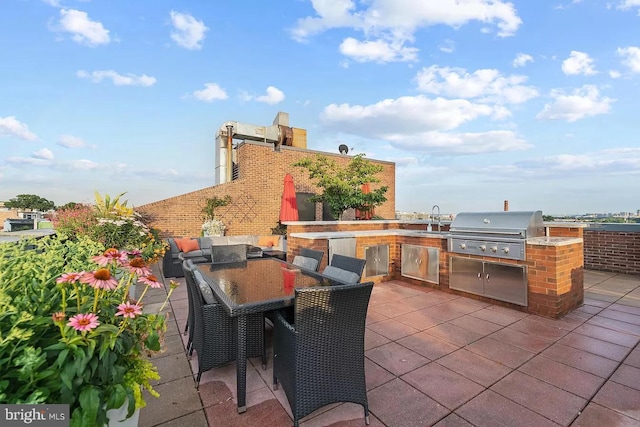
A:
{"x": 553, "y": 241}
{"x": 369, "y": 233}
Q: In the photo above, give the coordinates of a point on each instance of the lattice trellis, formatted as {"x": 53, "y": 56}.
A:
{"x": 242, "y": 209}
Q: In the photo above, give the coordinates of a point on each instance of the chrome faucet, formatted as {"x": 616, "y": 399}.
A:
{"x": 432, "y": 214}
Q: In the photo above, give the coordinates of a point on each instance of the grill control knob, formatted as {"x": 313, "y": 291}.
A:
{"x": 483, "y": 248}
{"x": 463, "y": 246}
{"x": 494, "y": 249}
{"x": 505, "y": 250}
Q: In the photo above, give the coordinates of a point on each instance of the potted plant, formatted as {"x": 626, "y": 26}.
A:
{"x": 211, "y": 225}
{"x": 71, "y": 332}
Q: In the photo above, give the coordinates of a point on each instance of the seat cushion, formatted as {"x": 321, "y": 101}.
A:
{"x": 305, "y": 262}
{"x": 207, "y": 293}
{"x": 340, "y": 274}
{"x": 193, "y": 254}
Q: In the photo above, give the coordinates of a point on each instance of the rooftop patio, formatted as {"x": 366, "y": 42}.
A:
{"x": 434, "y": 358}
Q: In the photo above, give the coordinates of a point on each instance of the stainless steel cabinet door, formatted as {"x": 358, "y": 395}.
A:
{"x": 377, "y": 260}
{"x": 466, "y": 275}
{"x": 506, "y": 282}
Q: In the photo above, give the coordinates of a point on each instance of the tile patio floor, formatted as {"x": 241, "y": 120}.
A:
{"x": 434, "y": 358}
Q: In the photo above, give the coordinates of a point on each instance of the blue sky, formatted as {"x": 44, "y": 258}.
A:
{"x": 477, "y": 101}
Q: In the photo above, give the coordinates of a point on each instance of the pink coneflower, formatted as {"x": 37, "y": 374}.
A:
{"x": 110, "y": 255}
{"x": 100, "y": 279}
{"x": 84, "y": 322}
{"x": 70, "y": 277}
{"x": 129, "y": 310}
{"x": 134, "y": 252}
{"x": 58, "y": 317}
{"x": 150, "y": 280}
{"x": 138, "y": 266}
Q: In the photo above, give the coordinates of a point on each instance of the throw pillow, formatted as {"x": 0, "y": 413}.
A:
{"x": 305, "y": 262}
{"x": 266, "y": 241}
{"x": 187, "y": 245}
{"x": 340, "y": 274}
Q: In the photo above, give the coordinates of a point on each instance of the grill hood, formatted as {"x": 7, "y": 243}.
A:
{"x": 508, "y": 224}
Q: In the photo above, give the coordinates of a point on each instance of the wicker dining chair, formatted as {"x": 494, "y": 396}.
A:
{"x": 214, "y": 331}
{"x": 319, "y": 359}
{"x": 348, "y": 263}
{"x": 189, "y": 324}
{"x": 311, "y": 253}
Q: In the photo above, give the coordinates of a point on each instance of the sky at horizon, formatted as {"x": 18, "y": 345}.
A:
{"x": 476, "y": 101}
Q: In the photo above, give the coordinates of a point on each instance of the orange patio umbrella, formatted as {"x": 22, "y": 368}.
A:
{"x": 288, "y": 206}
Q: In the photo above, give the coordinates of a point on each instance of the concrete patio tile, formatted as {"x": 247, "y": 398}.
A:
{"x": 392, "y": 309}
{"x": 375, "y": 374}
{"x": 423, "y": 301}
{"x": 396, "y": 359}
{"x": 595, "y": 302}
{"x": 441, "y": 312}
{"x": 500, "y": 352}
{"x": 595, "y": 415}
{"x": 631, "y": 300}
{"x": 590, "y": 309}
{"x": 214, "y": 393}
{"x": 602, "y": 295}
{"x": 396, "y": 403}
{"x": 443, "y": 385}
{"x": 606, "y": 334}
{"x": 508, "y": 311}
{"x": 549, "y": 401}
{"x": 620, "y": 315}
{"x": 479, "y": 326}
{"x": 489, "y": 409}
{"x": 428, "y": 345}
{"x": 532, "y": 327}
{"x": 633, "y": 358}
{"x": 625, "y": 308}
{"x": 392, "y": 329}
{"x": 581, "y": 359}
{"x": 177, "y": 398}
{"x": 502, "y": 319}
{"x": 627, "y": 375}
{"x": 620, "y": 398}
{"x": 592, "y": 345}
{"x": 418, "y": 320}
{"x": 373, "y": 339}
{"x": 531, "y": 343}
{"x": 615, "y": 325}
{"x": 592, "y": 277}
{"x": 344, "y": 415}
{"x": 405, "y": 291}
{"x": 454, "y": 334}
{"x": 194, "y": 419}
{"x": 172, "y": 367}
{"x": 571, "y": 379}
{"x": 566, "y": 323}
{"x": 463, "y": 305}
{"x": 374, "y": 317}
{"x": 267, "y": 413}
{"x": 477, "y": 368}
{"x": 172, "y": 345}
{"x": 452, "y": 420}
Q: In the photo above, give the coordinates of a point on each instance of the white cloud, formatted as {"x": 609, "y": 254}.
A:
{"x": 118, "y": 79}
{"x": 630, "y": 56}
{"x": 273, "y": 96}
{"x": 521, "y": 60}
{"x": 486, "y": 84}
{"x": 43, "y": 153}
{"x": 614, "y": 74}
{"x": 582, "y": 102}
{"x": 447, "y": 46}
{"x": 460, "y": 143}
{"x": 82, "y": 29}
{"x": 406, "y": 115}
{"x": 54, "y": 3}
{"x": 377, "y": 51}
{"x": 10, "y": 126}
{"x": 71, "y": 141}
{"x": 211, "y": 92}
{"x": 187, "y": 32}
{"x": 578, "y": 63}
{"x": 628, "y": 4}
{"x": 405, "y": 16}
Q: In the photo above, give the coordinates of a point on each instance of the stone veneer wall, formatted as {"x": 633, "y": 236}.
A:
{"x": 256, "y": 194}
{"x": 615, "y": 251}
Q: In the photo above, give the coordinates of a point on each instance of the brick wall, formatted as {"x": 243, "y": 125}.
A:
{"x": 615, "y": 251}
{"x": 556, "y": 277}
{"x": 256, "y": 194}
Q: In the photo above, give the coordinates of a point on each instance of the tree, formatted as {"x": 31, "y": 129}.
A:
{"x": 342, "y": 185}
{"x": 30, "y": 201}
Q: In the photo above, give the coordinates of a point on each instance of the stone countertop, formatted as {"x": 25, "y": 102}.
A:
{"x": 553, "y": 241}
{"x": 369, "y": 233}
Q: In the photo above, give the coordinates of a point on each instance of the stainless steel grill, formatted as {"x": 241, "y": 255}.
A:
{"x": 495, "y": 234}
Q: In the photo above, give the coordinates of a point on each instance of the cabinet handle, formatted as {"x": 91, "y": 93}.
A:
{"x": 487, "y": 277}
{"x": 479, "y": 276}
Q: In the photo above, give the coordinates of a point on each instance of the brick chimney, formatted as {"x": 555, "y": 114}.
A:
{"x": 506, "y": 205}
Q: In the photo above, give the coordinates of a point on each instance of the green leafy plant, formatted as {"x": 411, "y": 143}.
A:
{"x": 342, "y": 186}
{"x": 212, "y": 203}
{"x": 70, "y": 332}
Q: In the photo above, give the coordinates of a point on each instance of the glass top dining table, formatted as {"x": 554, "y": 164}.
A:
{"x": 255, "y": 286}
